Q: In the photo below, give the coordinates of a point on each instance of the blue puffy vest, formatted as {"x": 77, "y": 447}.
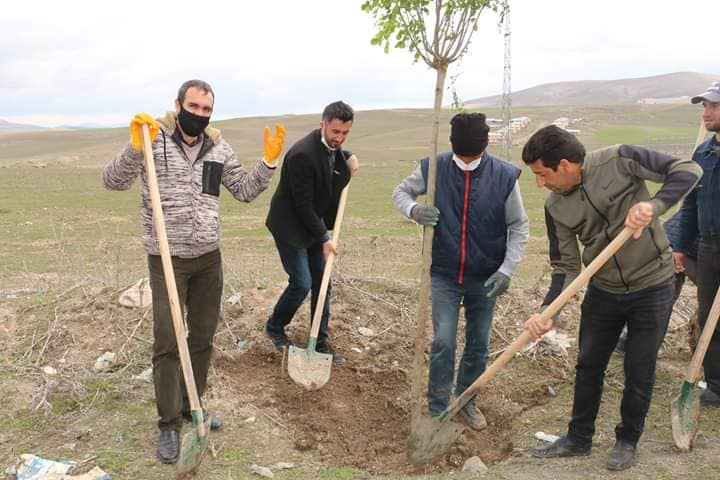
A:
{"x": 470, "y": 238}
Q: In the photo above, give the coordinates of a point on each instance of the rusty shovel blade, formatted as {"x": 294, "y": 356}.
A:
{"x": 308, "y": 367}
{"x": 430, "y": 438}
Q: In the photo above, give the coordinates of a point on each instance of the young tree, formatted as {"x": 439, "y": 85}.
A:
{"x": 438, "y": 32}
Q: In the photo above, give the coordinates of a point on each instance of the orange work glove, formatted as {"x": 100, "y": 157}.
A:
{"x": 136, "y": 129}
{"x": 273, "y": 145}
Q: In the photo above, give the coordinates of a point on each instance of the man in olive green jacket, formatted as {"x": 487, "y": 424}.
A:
{"x": 593, "y": 198}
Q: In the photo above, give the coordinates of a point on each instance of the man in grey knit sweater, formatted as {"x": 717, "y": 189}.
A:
{"x": 192, "y": 160}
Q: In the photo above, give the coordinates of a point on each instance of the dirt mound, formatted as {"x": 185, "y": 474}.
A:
{"x": 361, "y": 417}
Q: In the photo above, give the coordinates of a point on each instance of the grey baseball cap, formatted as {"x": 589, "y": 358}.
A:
{"x": 712, "y": 94}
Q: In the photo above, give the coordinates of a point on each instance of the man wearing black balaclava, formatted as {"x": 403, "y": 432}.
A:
{"x": 481, "y": 229}
{"x": 192, "y": 161}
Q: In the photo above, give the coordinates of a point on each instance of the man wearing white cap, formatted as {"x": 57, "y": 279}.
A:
{"x": 700, "y": 216}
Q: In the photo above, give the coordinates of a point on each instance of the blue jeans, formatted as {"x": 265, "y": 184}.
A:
{"x": 304, "y": 267}
{"x": 446, "y": 297}
{"x": 646, "y": 314}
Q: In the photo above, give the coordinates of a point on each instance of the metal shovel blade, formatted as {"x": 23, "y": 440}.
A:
{"x": 685, "y": 416}
{"x": 309, "y": 368}
{"x": 192, "y": 448}
{"x": 431, "y": 437}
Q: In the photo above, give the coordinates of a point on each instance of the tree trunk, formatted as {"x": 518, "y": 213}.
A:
{"x": 423, "y": 311}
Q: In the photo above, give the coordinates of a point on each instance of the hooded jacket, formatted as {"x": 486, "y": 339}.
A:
{"x": 189, "y": 192}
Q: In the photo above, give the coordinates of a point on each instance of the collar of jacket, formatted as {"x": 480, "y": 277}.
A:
{"x": 709, "y": 147}
{"x": 322, "y": 150}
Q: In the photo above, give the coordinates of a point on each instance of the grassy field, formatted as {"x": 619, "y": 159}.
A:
{"x": 64, "y": 235}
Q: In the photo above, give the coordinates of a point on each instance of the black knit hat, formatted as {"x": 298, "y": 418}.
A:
{"x": 469, "y": 134}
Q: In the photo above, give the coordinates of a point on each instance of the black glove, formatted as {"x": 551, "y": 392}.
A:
{"x": 499, "y": 283}
{"x": 425, "y": 214}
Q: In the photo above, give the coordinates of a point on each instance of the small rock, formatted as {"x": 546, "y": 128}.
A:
{"x": 366, "y": 332}
{"x": 284, "y": 466}
{"x": 262, "y": 471}
{"x": 546, "y": 437}
{"x": 48, "y": 370}
{"x": 250, "y": 420}
{"x": 474, "y": 465}
{"x": 146, "y": 375}
{"x": 306, "y": 443}
{"x": 234, "y": 299}
{"x": 104, "y": 362}
{"x": 356, "y": 350}
{"x": 241, "y": 345}
{"x": 551, "y": 391}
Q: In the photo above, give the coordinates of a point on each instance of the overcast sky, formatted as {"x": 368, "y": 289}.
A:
{"x": 72, "y": 62}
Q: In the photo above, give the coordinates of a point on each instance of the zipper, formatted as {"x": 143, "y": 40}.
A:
{"x": 607, "y": 236}
{"x": 463, "y": 235}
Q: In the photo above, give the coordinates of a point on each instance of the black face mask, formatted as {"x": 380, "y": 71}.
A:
{"x": 192, "y": 124}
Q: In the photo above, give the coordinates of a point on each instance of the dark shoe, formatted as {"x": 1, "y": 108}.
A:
{"x": 622, "y": 456}
{"x": 279, "y": 339}
{"x": 708, "y": 398}
{"x": 215, "y": 423}
{"x": 168, "y": 446}
{"x": 562, "y": 447}
{"x": 325, "y": 347}
{"x": 473, "y": 416}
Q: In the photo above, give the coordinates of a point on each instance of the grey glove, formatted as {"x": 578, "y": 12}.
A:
{"x": 425, "y": 214}
{"x": 499, "y": 283}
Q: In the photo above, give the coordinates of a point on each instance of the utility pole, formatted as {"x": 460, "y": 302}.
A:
{"x": 506, "y": 97}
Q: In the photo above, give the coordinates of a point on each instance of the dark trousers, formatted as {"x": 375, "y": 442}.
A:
{"x": 199, "y": 283}
{"x": 646, "y": 314}
{"x": 305, "y": 267}
{"x": 708, "y": 281}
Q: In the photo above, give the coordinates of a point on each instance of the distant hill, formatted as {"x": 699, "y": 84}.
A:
{"x": 669, "y": 88}
{"x": 6, "y": 126}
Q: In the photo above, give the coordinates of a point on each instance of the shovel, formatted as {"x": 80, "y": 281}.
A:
{"x": 308, "y": 367}
{"x": 431, "y": 437}
{"x": 685, "y": 408}
{"x": 194, "y": 443}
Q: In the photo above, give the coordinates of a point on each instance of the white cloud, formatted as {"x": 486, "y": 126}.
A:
{"x": 82, "y": 59}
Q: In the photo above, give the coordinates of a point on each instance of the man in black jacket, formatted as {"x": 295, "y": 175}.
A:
{"x": 303, "y": 209}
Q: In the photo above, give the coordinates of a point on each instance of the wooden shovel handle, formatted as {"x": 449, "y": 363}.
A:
{"x": 693, "y": 373}
{"x": 329, "y": 262}
{"x": 546, "y": 315}
{"x": 169, "y": 274}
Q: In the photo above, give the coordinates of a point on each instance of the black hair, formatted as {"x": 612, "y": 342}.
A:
{"x": 550, "y": 145}
{"x": 340, "y": 110}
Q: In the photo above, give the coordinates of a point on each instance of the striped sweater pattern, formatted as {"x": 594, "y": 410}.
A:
{"x": 189, "y": 192}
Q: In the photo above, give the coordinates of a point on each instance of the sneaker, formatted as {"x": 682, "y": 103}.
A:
{"x": 215, "y": 423}
{"x": 168, "y": 446}
{"x": 473, "y": 417}
{"x": 562, "y": 447}
{"x": 325, "y": 347}
{"x": 708, "y": 398}
{"x": 622, "y": 456}
{"x": 279, "y": 339}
